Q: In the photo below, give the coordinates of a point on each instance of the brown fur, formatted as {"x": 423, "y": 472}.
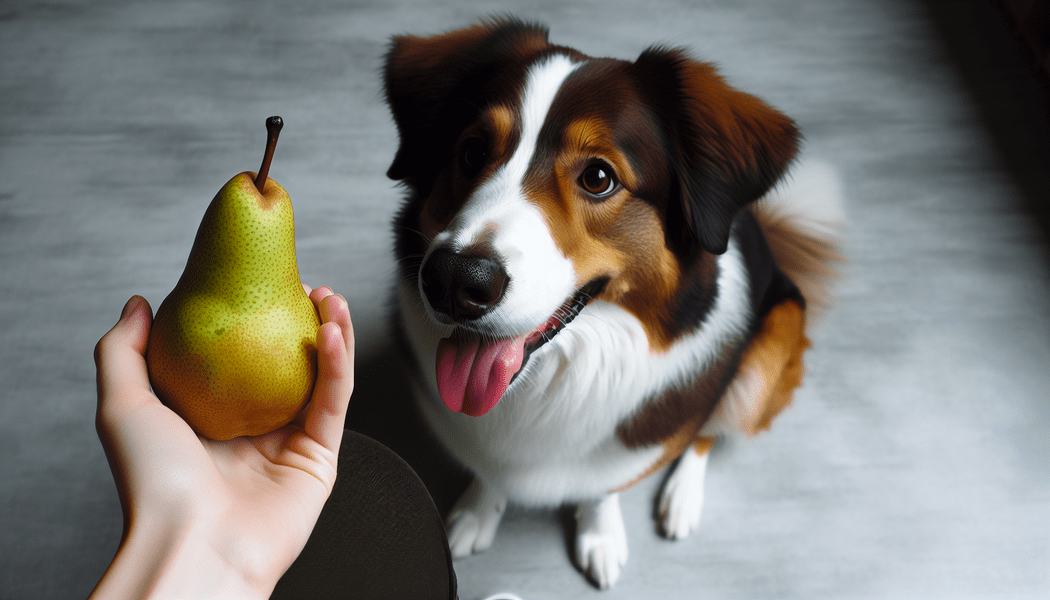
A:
{"x": 771, "y": 366}
{"x": 690, "y": 152}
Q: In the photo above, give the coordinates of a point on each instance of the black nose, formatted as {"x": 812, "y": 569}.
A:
{"x": 464, "y": 287}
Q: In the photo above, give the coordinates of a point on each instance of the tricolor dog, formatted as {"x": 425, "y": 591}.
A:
{"x": 598, "y": 274}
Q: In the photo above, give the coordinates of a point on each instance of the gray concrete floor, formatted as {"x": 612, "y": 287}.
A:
{"x": 915, "y": 462}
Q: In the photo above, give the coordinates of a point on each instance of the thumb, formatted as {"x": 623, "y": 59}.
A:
{"x": 120, "y": 354}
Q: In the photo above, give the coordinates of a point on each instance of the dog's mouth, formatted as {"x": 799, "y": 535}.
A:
{"x": 473, "y": 373}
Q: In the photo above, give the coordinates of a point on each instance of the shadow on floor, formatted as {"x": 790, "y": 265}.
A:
{"x": 1011, "y": 91}
{"x": 383, "y": 409}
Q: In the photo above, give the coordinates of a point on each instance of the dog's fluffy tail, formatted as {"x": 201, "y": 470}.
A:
{"x": 803, "y": 221}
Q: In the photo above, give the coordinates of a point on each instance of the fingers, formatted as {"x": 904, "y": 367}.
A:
{"x": 319, "y": 294}
{"x": 326, "y": 414}
{"x": 120, "y": 357}
{"x": 332, "y": 308}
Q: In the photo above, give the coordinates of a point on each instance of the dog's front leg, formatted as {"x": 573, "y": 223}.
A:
{"x": 682, "y": 498}
{"x": 601, "y": 540}
{"x": 472, "y": 524}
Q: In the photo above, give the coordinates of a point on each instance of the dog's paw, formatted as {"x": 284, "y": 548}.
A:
{"x": 472, "y": 523}
{"x": 682, "y": 498}
{"x": 601, "y": 541}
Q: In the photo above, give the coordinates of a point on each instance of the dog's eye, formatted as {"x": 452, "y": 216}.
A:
{"x": 598, "y": 180}
{"x": 472, "y": 156}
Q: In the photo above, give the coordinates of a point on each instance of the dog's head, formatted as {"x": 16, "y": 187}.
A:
{"x": 541, "y": 179}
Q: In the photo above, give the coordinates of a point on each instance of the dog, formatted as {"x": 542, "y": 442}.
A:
{"x": 597, "y": 274}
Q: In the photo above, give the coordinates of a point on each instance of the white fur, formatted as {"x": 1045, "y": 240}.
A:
{"x": 553, "y": 437}
{"x": 500, "y": 216}
{"x": 473, "y": 521}
{"x": 682, "y": 497}
{"x": 601, "y": 540}
{"x": 812, "y": 192}
{"x": 739, "y": 406}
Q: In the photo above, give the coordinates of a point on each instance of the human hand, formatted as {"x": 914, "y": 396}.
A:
{"x": 205, "y": 518}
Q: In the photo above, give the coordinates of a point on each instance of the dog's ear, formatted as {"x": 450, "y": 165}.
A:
{"x": 434, "y": 86}
{"x": 727, "y": 147}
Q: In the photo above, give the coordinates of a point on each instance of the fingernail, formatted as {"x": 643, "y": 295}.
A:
{"x": 129, "y": 307}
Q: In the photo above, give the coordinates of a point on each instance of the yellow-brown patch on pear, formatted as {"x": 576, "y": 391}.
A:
{"x": 229, "y": 398}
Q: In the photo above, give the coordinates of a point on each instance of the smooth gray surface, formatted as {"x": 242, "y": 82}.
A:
{"x": 915, "y": 462}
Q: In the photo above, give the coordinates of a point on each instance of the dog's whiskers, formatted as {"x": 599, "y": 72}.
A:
{"x": 426, "y": 239}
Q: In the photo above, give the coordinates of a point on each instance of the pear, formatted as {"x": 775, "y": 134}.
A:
{"x": 233, "y": 347}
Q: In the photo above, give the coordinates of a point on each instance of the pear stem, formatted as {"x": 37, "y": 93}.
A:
{"x": 273, "y": 129}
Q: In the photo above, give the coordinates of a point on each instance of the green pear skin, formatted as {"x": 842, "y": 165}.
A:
{"x": 233, "y": 347}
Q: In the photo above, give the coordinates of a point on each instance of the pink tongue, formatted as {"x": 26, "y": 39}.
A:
{"x": 473, "y": 375}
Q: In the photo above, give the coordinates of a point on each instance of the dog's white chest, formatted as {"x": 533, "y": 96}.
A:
{"x": 553, "y": 438}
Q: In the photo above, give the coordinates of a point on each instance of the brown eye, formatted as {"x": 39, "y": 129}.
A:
{"x": 598, "y": 180}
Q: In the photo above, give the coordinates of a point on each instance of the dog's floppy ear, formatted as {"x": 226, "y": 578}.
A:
{"x": 434, "y": 86}
{"x": 727, "y": 147}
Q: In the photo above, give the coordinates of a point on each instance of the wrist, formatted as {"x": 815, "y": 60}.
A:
{"x": 164, "y": 559}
